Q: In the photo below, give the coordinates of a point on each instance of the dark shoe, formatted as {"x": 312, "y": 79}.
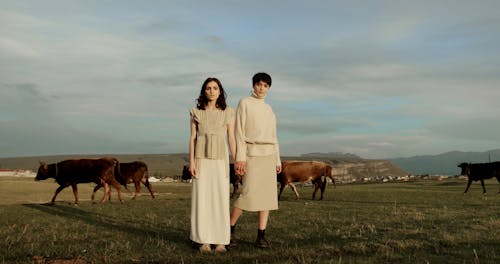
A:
{"x": 261, "y": 241}
{"x": 232, "y": 241}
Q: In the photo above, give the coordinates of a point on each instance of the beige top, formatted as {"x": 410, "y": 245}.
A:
{"x": 255, "y": 129}
{"x": 211, "y": 132}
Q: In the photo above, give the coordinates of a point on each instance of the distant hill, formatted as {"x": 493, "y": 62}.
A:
{"x": 445, "y": 163}
{"x": 333, "y": 155}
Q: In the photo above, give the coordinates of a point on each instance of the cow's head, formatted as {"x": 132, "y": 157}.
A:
{"x": 465, "y": 168}
{"x": 43, "y": 171}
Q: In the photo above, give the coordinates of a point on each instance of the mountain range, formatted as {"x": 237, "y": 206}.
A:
{"x": 445, "y": 163}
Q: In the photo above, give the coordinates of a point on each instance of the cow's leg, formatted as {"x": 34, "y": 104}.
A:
{"x": 323, "y": 187}
{"x": 484, "y": 188}
{"x": 333, "y": 181}
{"x": 281, "y": 189}
{"x": 75, "y": 192}
{"x": 468, "y": 185}
{"x": 106, "y": 191}
{"x": 234, "y": 190}
{"x": 315, "y": 190}
{"x": 118, "y": 189}
{"x": 58, "y": 190}
{"x": 96, "y": 188}
{"x": 295, "y": 190}
{"x": 109, "y": 193}
{"x": 150, "y": 188}
{"x": 137, "y": 189}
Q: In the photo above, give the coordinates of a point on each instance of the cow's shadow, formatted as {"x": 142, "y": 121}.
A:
{"x": 112, "y": 223}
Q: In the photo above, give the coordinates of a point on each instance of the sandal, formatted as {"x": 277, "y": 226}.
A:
{"x": 205, "y": 248}
{"x": 220, "y": 248}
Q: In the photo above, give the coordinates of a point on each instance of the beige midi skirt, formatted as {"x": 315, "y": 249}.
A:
{"x": 259, "y": 191}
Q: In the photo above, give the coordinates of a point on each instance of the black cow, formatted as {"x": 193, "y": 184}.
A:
{"x": 132, "y": 172}
{"x": 234, "y": 179}
{"x": 186, "y": 175}
{"x": 480, "y": 172}
{"x": 72, "y": 172}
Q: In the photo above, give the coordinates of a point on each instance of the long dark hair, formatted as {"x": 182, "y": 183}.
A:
{"x": 202, "y": 100}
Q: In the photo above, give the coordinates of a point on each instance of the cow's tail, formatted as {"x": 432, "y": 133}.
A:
{"x": 146, "y": 175}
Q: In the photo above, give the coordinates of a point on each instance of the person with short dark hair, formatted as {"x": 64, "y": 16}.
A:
{"x": 257, "y": 157}
{"x": 211, "y": 121}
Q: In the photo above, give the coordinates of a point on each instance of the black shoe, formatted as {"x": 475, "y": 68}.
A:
{"x": 261, "y": 241}
{"x": 232, "y": 241}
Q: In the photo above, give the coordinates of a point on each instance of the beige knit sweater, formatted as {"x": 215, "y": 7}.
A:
{"x": 255, "y": 129}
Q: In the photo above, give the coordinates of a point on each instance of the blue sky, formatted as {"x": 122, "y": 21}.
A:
{"x": 379, "y": 79}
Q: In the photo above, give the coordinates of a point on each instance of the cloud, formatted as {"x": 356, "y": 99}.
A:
{"x": 372, "y": 79}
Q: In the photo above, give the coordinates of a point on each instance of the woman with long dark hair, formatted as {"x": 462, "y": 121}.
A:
{"x": 211, "y": 122}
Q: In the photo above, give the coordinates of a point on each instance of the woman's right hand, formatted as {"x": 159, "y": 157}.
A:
{"x": 192, "y": 170}
{"x": 240, "y": 167}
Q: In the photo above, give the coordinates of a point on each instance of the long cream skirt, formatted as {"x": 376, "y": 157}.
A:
{"x": 210, "y": 203}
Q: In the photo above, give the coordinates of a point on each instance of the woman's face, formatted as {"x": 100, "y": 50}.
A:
{"x": 261, "y": 88}
{"x": 212, "y": 91}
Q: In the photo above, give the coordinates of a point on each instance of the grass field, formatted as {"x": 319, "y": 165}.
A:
{"x": 411, "y": 222}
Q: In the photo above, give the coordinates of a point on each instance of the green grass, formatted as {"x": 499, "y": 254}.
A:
{"x": 412, "y": 222}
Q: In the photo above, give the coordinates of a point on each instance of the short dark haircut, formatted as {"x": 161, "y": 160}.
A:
{"x": 202, "y": 100}
{"x": 262, "y": 76}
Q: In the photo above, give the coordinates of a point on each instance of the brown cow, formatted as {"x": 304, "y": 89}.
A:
{"x": 133, "y": 172}
{"x": 234, "y": 179}
{"x": 304, "y": 171}
{"x": 72, "y": 172}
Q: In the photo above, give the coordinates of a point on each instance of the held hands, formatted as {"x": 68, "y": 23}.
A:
{"x": 192, "y": 170}
{"x": 240, "y": 167}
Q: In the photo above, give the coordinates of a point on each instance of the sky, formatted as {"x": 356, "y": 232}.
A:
{"x": 378, "y": 79}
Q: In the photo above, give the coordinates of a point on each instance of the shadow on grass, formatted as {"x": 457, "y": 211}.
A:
{"x": 113, "y": 223}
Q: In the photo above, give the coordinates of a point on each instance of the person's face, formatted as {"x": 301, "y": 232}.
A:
{"x": 212, "y": 91}
{"x": 261, "y": 88}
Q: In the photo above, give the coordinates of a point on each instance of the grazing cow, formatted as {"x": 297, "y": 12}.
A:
{"x": 134, "y": 172}
{"x": 72, "y": 172}
{"x": 304, "y": 171}
{"x": 480, "y": 172}
{"x": 234, "y": 179}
